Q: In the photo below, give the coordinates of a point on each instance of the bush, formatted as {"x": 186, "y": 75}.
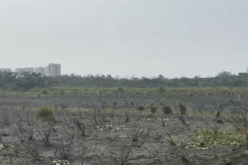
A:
{"x": 46, "y": 114}
{"x": 161, "y": 89}
{"x": 182, "y": 107}
{"x": 44, "y": 92}
{"x": 153, "y": 108}
{"x": 166, "y": 108}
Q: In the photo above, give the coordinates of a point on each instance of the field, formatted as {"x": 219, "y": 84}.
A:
{"x": 171, "y": 129}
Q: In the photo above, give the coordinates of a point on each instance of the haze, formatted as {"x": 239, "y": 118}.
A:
{"x": 126, "y": 37}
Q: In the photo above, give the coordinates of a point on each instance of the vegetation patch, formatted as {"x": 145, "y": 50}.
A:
{"x": 206, "y": 138}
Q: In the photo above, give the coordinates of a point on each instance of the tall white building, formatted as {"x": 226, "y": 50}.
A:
{"x": 5, "y": 70}
{"x": 40, "y": 70}
{"x": 46, "y": 71}
{"x": 53, "y": 70}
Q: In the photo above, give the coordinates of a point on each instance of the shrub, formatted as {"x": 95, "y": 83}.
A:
{"x": 141, "y": 108}
{"x": 153, "y": 108}
{"x": 182, "y": 107}
{"x": 45, "y": 114}
{"x": 166, "y": 108}
{"x": 161, "y": 89}
{"x": 44, "y": 92}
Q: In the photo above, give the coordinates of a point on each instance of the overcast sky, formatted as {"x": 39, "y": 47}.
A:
{"x": 126, "y": 37}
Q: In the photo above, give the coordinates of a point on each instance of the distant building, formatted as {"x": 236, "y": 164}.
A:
{"x": 46, "y": 71}
{"x": 5, "y": 70}
{"x": 53, "y": 70}
{"x": 40, "y": 70}
{"x": 243, "y": 74}
{"x": 22, "y": 70}
{"x": 19, "y": 70}
{"x": 29, "y": 70}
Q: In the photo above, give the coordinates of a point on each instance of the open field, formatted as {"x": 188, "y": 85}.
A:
{"x": 124, "y": 130}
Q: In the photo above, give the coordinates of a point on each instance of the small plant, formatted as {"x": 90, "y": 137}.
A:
{"x": 135, "y": 134}
{"x": 153, "y": 107}
{"x": 46, "y": 114}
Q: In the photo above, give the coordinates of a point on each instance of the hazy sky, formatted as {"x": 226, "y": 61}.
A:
{"x": 124, "y": 37}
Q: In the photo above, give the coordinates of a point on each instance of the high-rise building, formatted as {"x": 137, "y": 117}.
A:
{"x": 46, "y": 71}
{"x": 5, "y": 70}
{"x": 54, "y": 70}
{"x": 40, "y": 70}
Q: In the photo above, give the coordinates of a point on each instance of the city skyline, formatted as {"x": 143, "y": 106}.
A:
{"x": 52, "y": 69}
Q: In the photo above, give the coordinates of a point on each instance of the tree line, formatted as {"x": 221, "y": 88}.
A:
{"x": 28, "y": 81}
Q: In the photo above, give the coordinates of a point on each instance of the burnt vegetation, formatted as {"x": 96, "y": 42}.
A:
{"x": 103, "y": 130}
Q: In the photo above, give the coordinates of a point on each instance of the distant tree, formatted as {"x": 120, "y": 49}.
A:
{"x": 224, "y": 74}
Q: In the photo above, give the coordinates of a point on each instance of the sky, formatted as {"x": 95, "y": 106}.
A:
{"x": 173, "y": 38}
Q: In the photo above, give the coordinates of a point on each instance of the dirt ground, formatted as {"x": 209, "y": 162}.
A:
{"x": 110, "y": 131}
